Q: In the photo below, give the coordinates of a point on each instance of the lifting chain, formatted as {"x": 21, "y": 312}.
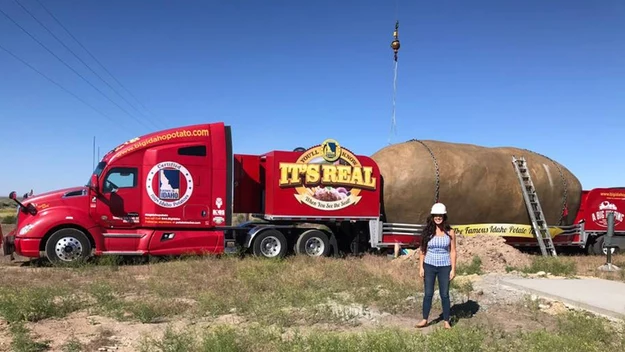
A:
{"x": 435, "y": 166}
{"x": 565, "y": 195}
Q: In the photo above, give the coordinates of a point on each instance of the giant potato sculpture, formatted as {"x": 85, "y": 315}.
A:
{"x": 477, "y": 184}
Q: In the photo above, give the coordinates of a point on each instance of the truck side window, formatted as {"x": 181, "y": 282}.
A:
{"x": 196, "y": 150}
{"x": 120, "y": 177}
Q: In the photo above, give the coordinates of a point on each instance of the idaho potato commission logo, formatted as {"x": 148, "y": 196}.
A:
{"x": 327, "y": 177}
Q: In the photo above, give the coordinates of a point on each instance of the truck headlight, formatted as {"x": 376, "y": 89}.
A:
{"x": 24, "y": 230}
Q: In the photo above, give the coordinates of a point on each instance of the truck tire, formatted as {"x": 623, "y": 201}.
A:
{"x": 598, "y": 248}
{"x": 314, "y": 243}
{"x": 67, "y": 246}
{"x": 270, "y": 244}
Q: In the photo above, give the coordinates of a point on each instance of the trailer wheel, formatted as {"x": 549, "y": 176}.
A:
{"x": 270, "y": 244}
{"x": 599, "y": 249}
{"x": 67, "y": 245}
{"x": 314, "y": 243}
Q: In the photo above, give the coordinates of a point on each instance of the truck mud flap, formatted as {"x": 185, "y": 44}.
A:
{"x": 8, "y": 245}
{"x": 335, "y": 245}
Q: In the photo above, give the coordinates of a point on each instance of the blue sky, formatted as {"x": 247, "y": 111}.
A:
{"x": 543, "y": 75}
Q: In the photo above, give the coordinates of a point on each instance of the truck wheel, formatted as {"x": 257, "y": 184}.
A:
{"x": 599, "y": 249}
{"x": 590, "y": 250}
{"x": 67, "y": 245}
{"x": 270, "y": 244}
{"x": 314, "y": 243}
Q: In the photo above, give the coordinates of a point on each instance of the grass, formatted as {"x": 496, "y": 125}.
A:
{"x": 7, "y": 216}
{"x": 281, "y": 292}
{"x": 36, "y": 303}
{"x": 587, "y": 266}
{"x": 7, "y": 208}
{"x": 23, "y": 341}
{"x": 574, "y": 266}
{"x": 575, "y": 332}
{"x": 558, "y": 266}
{"x": 294, "y": 304}
{"x": 473, "y": 268}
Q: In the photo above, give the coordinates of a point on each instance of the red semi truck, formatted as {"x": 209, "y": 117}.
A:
{"x": 174, "y": 192}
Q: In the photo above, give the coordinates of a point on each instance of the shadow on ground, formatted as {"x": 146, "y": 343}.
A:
{"x": 459, "y": 311}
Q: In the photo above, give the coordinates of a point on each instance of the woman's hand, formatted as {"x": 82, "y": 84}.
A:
{"x": 452, "y": 274}
{"x": 421, "y": 272}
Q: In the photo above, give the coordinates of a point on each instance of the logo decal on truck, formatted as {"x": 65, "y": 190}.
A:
{"x": 165, "y": 182}
{"x": 327, "y": 177}
{"x": 600, "y": 217}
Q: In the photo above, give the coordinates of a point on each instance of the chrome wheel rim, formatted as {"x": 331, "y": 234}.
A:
{"x": 68, "y": 249}
{"x": 270, "y": 246}
{"x": 314, "y": 246}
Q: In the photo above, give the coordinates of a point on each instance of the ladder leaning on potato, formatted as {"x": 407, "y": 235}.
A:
{"x": 539, "y": 224}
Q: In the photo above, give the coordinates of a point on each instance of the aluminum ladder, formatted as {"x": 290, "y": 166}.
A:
{"x": 541, "y": 231}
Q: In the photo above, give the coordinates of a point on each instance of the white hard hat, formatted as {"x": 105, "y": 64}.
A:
{"x": 439, "y": 208}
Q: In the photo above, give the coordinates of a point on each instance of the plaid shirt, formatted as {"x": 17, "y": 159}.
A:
{"x": 438, "y": 251}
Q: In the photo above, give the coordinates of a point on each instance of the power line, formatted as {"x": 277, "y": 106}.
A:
{"x": 68, "y": 66}
{"x": 94, "y": 58}
{"x": 81, "y": 60}
{"x": 55, "y": 83}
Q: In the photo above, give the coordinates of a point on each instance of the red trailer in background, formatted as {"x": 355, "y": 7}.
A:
{"x": 589, "y": 230}
{"x": 175, "y": 191}
{"x": 595, "y": 205}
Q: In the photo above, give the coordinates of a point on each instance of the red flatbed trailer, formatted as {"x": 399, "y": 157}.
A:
{"x": 174, "y": 192}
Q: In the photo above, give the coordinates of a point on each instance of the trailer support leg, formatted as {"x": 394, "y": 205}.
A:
{"x": 608, "y": 266}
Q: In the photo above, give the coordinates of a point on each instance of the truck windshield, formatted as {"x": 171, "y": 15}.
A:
{"x": 97, "y": 171}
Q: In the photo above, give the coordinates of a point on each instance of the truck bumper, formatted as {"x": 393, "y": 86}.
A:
{"x": 25, "y": 247}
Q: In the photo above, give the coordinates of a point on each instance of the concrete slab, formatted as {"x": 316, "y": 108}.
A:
{"x": 600, "y": 296}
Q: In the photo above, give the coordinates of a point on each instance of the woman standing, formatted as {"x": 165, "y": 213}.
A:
{"x": 437, "y": 261}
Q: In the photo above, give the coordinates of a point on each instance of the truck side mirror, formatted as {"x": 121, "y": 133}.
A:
{"x": 93, "y": 184}
{"x": 13, "y": 195}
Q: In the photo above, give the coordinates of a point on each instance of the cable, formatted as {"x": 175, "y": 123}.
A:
{"x": 395, "y": 45}
{"x": 93, "y": 57}
{"x": 63, "y": 62}
{"x": 393, "y": 120}
{"x": 55, "y": 83}
{"x": 81, "y": 60}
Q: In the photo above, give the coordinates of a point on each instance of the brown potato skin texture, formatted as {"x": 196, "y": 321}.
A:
{"x": 477, "y": 184}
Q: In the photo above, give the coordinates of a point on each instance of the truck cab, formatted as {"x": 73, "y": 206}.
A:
{"x": 163, "y": 193}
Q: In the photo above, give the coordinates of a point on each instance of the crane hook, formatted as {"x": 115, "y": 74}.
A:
{"x": 395, "y": 43}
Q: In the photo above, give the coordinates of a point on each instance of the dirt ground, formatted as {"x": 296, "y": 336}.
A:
{"x": 495, "y": 255}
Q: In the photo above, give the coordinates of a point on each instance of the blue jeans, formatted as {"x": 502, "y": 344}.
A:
{"x": 431, "y": 273}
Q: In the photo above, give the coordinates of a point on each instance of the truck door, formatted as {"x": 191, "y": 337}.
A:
{"x": 119, "y": 202}
{"x": 178, "y": 196}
